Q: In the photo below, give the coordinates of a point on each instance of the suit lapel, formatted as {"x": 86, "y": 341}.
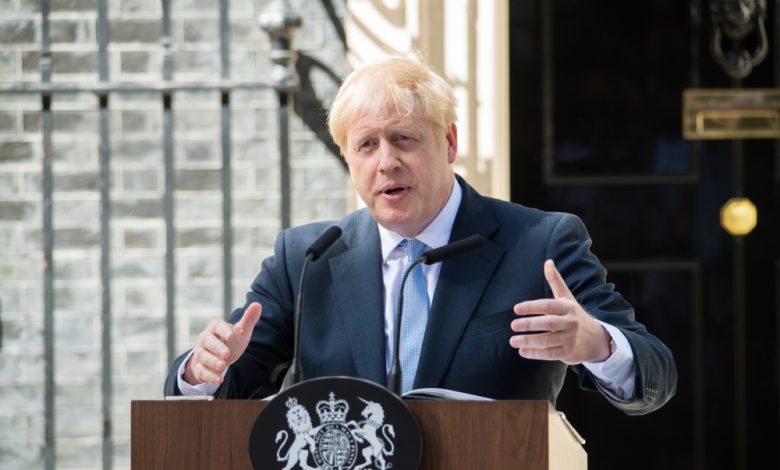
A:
{"x": 357, "y": 275}
{"x": 462, "y": 281}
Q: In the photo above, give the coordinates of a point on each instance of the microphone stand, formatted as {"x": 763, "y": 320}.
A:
{"x": 295, "y": 373}
{"x": 394, "y": 379}
{"x": 428, "y": 257}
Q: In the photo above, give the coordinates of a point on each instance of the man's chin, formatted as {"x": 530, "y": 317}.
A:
{"x": 402, "y": 226}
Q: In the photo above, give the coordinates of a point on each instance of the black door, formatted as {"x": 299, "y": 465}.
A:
{"x": 596, "y": 106}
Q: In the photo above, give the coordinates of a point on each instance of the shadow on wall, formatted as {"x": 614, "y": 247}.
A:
{"x": 307, "y": 105}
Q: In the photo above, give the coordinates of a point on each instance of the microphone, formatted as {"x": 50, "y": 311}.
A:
{"x": 463, "y": 245}
{"x": 321, "y": 244}
{"x": 428, "y": 257}
{"x": 315, "y": 250}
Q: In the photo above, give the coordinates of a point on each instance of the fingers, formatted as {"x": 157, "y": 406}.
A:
{"x": 545, "y": 340}
{"x": 557, "y": 329}
{"x": 215, "y": 343}
{"x": 220, "y": 330}
{"x": 249, "y": 319}
{"x": 211, "y": 352}
{"x": 220, "y": 337}
{"x": 204, "y": 375}
{"x": 548, "y": 354}
{"x": 547, "y": 346}
{"x": 536, "y": 324}
{"x": 558, "y": 286}
{"x": 219, "y": 345}
{"x": 543, "y": 307}
{"x": 209, "y": 360}
{"x": 563, "y": 303}
{"x": 207, "y": 367}
{"x": 209, "y": 357}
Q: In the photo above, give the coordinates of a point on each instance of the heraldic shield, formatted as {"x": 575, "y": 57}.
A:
{"x": 335, "y": 423}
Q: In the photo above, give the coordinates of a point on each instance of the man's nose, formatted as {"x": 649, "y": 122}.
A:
{"x": 388, "y": 156}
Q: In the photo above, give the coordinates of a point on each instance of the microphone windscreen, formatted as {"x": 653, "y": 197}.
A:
{"x": 324, "y": 242}
{"x": 453, "y": 249}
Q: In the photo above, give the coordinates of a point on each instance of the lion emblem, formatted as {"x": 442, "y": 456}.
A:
{"x": 299, "y": 421}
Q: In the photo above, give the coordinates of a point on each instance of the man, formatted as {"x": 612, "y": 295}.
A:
{"x": 503, "y": 321}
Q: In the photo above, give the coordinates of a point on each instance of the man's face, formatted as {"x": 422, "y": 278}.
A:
{"x": 401, "y": 169}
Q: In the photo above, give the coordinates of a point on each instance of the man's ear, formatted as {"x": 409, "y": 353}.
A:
{"x": 452, "y": 143}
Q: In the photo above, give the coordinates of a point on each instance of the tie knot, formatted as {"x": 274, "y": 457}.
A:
{"x": 414, "y": 248}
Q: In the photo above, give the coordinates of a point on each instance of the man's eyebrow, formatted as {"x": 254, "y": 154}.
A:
{"x": 409, "y": 131}
{"x": 361, "y": 133}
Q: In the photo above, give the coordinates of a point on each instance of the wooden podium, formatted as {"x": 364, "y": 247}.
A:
{"x": 467, "y": 435}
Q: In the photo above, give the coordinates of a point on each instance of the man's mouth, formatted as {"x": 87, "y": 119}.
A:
{"x": 393, "y": 191}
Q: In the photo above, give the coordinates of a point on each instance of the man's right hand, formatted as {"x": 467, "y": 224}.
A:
{"x": 220, "y": 345}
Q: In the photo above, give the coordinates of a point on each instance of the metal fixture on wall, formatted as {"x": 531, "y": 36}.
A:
{"x": 737, "y": 20}
{"x": 280, "y": 21}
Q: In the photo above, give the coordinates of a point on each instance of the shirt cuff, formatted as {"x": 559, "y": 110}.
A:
{"x": 194, "y": 390}
{"x": 616, "y": 374}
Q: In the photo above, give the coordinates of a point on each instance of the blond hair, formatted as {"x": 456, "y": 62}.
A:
{"x": 403, "y": 86}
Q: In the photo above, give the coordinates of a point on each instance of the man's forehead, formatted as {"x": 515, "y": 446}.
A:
{"x": 389, "y": 113}
{"x": 383, "y": 119}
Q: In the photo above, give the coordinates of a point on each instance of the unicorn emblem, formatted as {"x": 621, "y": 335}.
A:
{"x": 374, "y": 453}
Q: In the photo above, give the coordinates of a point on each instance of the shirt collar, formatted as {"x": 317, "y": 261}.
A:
{"x": 436, "y": 234}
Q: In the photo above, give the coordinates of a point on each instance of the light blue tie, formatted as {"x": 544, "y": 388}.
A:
{"x": 415, "y": 315}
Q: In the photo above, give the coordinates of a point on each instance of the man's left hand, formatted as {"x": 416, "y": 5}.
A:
{"x": 564, "y": 331}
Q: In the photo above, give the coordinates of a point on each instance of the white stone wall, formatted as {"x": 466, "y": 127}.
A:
{"x": 320, "y": 191}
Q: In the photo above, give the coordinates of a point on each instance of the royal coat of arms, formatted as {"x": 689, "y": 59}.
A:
{"x": 335, "y": 444}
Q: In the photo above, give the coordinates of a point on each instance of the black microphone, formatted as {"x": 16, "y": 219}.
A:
{"x": 320, "y": 245}
{"x": 428, "y": 257}
{"x": 463, "y": 245}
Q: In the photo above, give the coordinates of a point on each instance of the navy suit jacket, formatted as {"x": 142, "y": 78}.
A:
{"x": 466, "y": 345}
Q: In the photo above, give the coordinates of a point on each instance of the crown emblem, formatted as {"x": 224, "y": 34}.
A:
{"x": 332, "y": 411}
{"x": 291, "y": 402}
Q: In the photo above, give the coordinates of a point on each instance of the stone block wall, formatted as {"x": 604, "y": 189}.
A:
{"x": 320, "y": 191}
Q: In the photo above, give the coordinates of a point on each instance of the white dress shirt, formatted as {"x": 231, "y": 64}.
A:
{"x": 616, "y": 374}
{"x": 436, "y": 234}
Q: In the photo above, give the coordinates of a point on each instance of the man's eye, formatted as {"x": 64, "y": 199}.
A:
{"x": 402, "y": 137}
